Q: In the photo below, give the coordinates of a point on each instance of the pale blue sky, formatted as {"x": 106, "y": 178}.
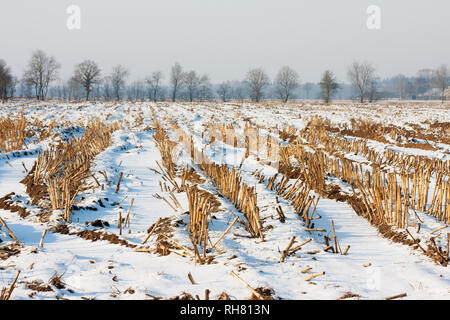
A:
{"x": 224, "y": 38}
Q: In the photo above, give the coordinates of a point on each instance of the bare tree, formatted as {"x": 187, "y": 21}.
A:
{"x": 224, "y": 91}
{"x": 256, "y": 80}
{"x": 287, "y": 81}
{"x": 328, "y": 86}
{"x": 191, "y": 81}
{"x": 361, "y": 75}
{"x": 118, "y": 77}
{"x": 40, "y": 72}
{"x": 87, "y": 73}
{"x": 373, "y": 90}
{"x": 154, "y": 82}
{"x": 11, "y": 87}
{"x": 176, "y": 79}
{"x": 441, "y": 77}
{"x": 5, "y": 79}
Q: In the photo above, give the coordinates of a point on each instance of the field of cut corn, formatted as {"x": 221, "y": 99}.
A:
{"x": 139, "y": 200}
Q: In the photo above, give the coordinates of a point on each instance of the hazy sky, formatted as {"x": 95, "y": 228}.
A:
{"x": 224, "y": 38}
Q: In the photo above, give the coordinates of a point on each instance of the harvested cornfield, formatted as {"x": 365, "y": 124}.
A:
{"x": 223, "y": 201}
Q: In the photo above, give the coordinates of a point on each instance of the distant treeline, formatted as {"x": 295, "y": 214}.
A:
{"x": 41, "y": 81}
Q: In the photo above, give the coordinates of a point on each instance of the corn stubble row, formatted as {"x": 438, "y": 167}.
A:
{"x": 385, "y": 193}
{"x": 60, "y": 173}
{"x": 408, "y": 183}
{"x": 201, "y": 203}
{"x": 228, "y": 182}
{"x": 385, "y": 197}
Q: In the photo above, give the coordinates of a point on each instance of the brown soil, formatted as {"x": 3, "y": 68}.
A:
{"x": 183, "y": 296}
{"x": 348, "y": 295}
{"x": 265, "y": 292}
{"x": 97, "y": 223}
{"x": 88, "y": 208}
{"x": 36, "y": 191}
{"x": 334, "y": 192}
{"x": 38, "y": 285}
{"x": 57, "y": 282}
{"x": 415, "y": 145}
{"x": 9, "y": 250}
{"x": 93, "y": 235}
{"x": 223, "y": 296}
{"x": 60, "y": 228}
{"x": 6, "y": 203}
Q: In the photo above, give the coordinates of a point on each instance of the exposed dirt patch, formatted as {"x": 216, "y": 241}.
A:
{"x": 415, "y": 145}
{"x": 37, "y": 285}
{"x": 98, "y": 223}
{"x": 44, "y": 215}
{"x": 183, "y": 296}
{"x": 93, "y": 235}
{"x": 88, "y": 208}
{"x": 265, "y": 292}
{"x": 9, "y": 250}
{"x": 348, "y": 295}
{"x": 36, "y": 190}
{"x": 57, "y": 282}
{"x": 7, "y": 203}
{"x": 60, "y": 228}
{"x": 334, "y": 192}
{"x": 223, "y": 296}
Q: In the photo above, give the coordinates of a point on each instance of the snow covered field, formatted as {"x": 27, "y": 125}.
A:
{"x": 70, "y": 265}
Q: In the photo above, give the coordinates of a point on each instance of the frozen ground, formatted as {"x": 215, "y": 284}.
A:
{"x": 374, "y": 268}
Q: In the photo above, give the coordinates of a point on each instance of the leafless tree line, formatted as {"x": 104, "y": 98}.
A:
{"x": 7, "y": 81}
{"x": 42, "y": 70}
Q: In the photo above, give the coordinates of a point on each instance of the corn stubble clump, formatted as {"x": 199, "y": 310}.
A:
{"x": 59, "y": 174}
{"x": 13, "y": 133}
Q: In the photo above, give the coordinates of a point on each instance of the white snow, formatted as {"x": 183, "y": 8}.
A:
{"x": 102, "y": 270}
